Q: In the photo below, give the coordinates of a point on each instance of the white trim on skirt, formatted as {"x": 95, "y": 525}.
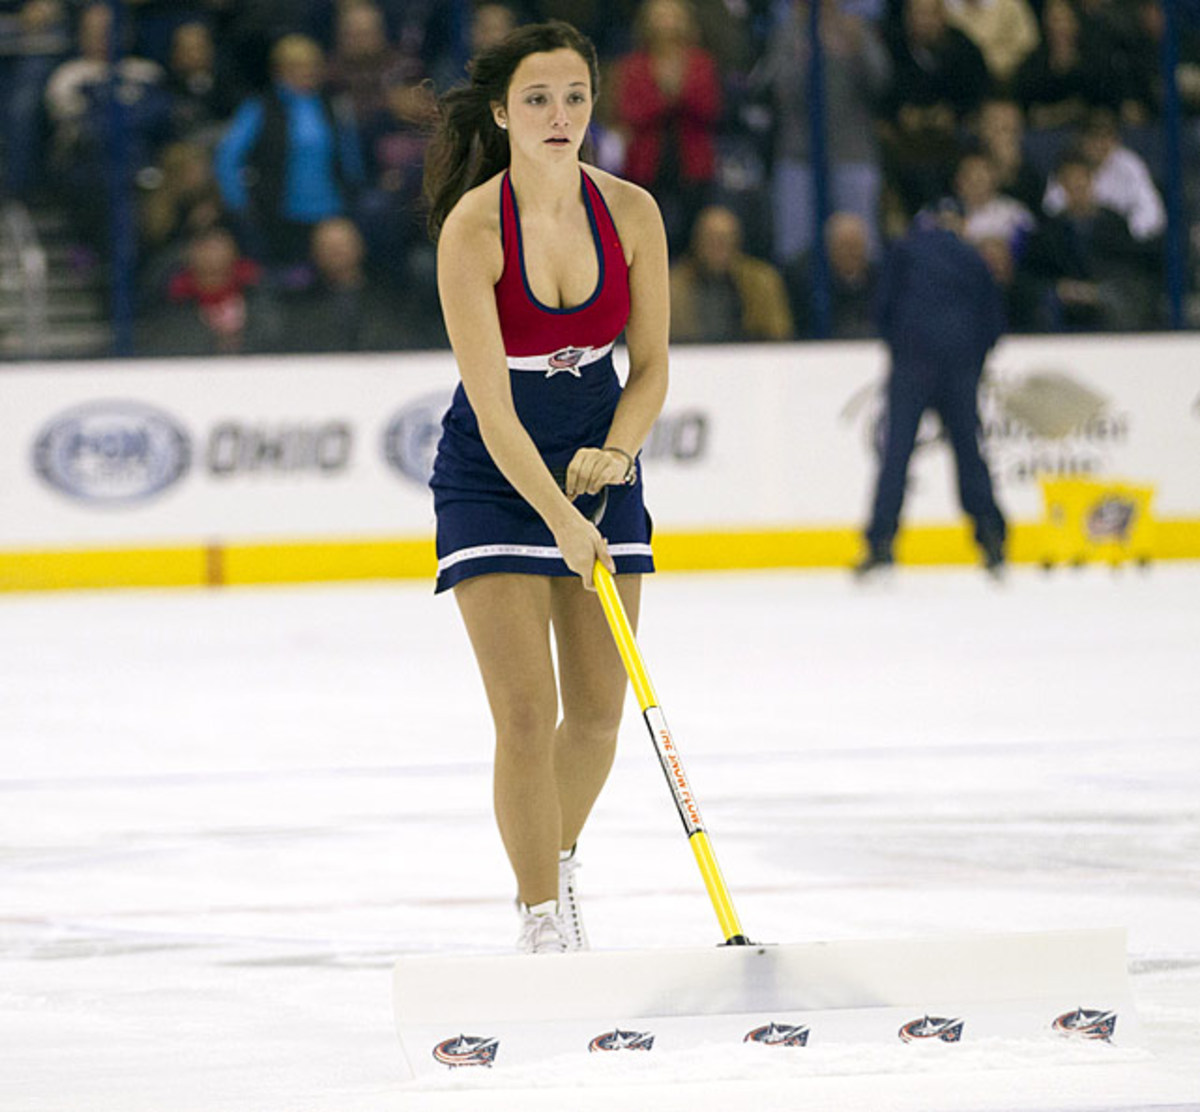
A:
{"x": 533, "y": 551}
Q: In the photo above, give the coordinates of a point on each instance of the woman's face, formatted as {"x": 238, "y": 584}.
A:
{"x": 301, "y": 68}
{"x": 668, "y": 21}
{"x": 549, "y": 105}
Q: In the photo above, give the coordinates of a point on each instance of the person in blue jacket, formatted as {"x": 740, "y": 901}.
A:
{"x": 290, "y": 158}
{"x": 940, "y": 312}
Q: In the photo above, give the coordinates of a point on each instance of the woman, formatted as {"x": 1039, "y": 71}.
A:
{"x": 669, "y": 104}
{"x": 290, "y": 158}
{"x": 541, "y": 265}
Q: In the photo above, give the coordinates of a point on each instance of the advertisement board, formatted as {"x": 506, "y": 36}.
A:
{"x": 764, "y": 454}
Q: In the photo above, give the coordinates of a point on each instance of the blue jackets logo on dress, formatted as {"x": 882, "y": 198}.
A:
{"x": 567, "y": 359}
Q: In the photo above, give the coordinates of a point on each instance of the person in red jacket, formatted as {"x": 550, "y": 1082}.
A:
{"x": 668, "y": 104}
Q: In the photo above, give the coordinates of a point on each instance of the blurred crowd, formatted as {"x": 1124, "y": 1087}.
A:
{"x": 274, "y": 153}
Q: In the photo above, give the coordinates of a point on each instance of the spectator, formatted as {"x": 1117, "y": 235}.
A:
{"x": 1001, "y": 129}
{"x": 1018, "y": 291}
{"x": 182, "y": 200}
{"x": 1094, "y": 274}
{"x": 203, "y": 93}
{"x": 78, "y": 105}
{"x": 1004, "y": 30}
{"x": 290, "y": 157}
{"x": 490, "y": 23}
{"x": 853, "y": 277}
{"x": 35, "y": 36}
{"x": 987, "y": 213}
{"x": 1121, "y": 181}
{"x": 719, "y": 294}
{"x": 344, "y": 309}
{"x": 940, "y": 313}
{"x": 857, "y": 69}
{"x": 938, "y": 78}
{"x": 391, "y": 211}
{"x": 1143, "y": 76}
{"x": 726, "y": 32}
{"x": 156, "y": 21}
{"x": 364, "y": 65}
{"x": 249, "y": 30}
{"x": 214, "y": 304}
{"x": 668, "y": 101}
{"x": 1060, "y": 82}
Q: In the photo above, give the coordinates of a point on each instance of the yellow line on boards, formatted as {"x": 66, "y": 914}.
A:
{"x": 216, "y": 564}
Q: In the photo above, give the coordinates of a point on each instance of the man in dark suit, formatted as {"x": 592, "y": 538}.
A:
{"x": 940, "y": 312}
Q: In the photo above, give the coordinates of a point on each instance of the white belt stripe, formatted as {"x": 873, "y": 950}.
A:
{"x": 530, "y": 551}
{"x": 542, "y": 362}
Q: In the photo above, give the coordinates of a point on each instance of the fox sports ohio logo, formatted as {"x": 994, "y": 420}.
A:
{"x": 411, "y": 437}
{"x": 112, "y": 453}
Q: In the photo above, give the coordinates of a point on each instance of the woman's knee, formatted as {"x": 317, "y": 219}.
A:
{"x": 593, "y": 731}
{"x": 525, "y": 730}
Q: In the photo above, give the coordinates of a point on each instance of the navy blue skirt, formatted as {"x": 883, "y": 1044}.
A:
{"x": 485, "y": 526}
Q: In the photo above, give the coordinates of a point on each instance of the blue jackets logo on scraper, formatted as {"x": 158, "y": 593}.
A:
{"x": 112, "y": 452}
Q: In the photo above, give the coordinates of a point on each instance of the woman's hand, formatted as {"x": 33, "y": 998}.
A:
{"x": 581, "y": 546}
{"x": 592, "y": 469}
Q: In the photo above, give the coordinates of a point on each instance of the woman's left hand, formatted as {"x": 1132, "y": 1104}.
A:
{"x": 592, "y": 469}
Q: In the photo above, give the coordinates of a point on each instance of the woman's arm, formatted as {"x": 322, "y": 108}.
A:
{"x": 470, "y": 260}
{"x": 232, "y": 152}
{"x": 646, "y": 334}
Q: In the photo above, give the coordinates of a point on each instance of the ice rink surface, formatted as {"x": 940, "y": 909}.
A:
{"x": 223, "y": 815}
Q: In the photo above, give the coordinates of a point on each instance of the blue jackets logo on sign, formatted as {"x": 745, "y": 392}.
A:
{"x": 411, "y": 438}
{"x": 112, "y": 453}
{"x": 1111, "y": 519}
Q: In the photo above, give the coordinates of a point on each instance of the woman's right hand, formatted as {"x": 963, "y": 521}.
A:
{"x": 581, "y": 546}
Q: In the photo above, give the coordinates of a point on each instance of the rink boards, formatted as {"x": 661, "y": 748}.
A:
{"x": 269, "y": 469}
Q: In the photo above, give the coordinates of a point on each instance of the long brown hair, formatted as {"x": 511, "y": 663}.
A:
{"x": 468, "y": 147}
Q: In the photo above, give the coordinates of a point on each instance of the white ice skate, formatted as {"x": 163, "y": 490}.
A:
{"x": 568, "y": 901}
{"x": 542, "y": 930}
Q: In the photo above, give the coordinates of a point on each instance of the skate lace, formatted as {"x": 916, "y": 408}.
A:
{"x": 541, "y": 934}
{"x": 568, "y": 901}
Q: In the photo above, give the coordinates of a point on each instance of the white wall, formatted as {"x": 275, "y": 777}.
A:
{"x": 107, "y": 454}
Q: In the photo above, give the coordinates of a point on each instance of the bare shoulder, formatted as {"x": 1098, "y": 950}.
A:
{"x": 633, "y": 208}
{"x": 471, "y": 232}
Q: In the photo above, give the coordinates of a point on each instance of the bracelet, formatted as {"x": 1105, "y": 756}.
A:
{"x": 630, "y": 475}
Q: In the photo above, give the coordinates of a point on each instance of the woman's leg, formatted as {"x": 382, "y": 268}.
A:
{"x": 592, "y": 682}
{"x": 508, "y": 621}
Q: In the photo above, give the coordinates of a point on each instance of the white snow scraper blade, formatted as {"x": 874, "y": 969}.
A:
{"x": 504, "y": 1011}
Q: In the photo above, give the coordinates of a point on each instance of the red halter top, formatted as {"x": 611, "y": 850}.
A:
{"x": 537, "y": 334}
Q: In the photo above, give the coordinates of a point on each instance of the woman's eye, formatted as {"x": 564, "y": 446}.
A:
{"x": 536, "y": 99}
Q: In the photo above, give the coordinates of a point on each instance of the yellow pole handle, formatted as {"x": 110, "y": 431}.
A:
{"x": 668, "y": 755}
